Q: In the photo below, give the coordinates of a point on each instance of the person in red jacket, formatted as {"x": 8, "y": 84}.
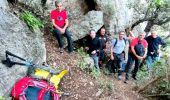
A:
{"x": 60, "y": 22}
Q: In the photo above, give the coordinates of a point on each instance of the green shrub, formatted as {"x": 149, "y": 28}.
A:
{"x": 32, "y": 22}
{"x": 83, "y": 65}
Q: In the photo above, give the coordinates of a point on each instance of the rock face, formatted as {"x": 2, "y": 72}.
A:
{"x": 117, "y": 15}
{"x": 16, "y": 38}
{"x": 92, "y": 20}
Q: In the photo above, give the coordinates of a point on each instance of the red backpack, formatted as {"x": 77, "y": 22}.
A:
{"x": 29, "y": 88}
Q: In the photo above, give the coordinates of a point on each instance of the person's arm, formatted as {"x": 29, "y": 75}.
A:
{"x": 145, "y": 54}
{"x": 134, "y": 52}
{"x": 56, "y": 26}
{"x": 66, "y": 24}
{"x": 111, "y": 53}
{"x": 131, "y": 34}
{"x": 162, "y": 43}
{"x": 111, "y": 50}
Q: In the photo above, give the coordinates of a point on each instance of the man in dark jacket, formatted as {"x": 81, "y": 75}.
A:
{"x": 154, "y": 44}
{"x": 92, "y": 47}
{"x": 103, "y": 40}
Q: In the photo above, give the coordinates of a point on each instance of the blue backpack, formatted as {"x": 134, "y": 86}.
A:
{"x": 139, "y": 49}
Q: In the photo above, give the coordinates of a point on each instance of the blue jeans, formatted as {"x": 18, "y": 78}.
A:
{"x": 67, "y": 34}
{"x": 150, "y": 60}
{"x": 131, "y": 60}
{"x": 119, "y": 61}
{"x": 96, "y": 61}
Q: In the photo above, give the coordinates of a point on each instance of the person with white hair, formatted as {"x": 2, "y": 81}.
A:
{"x": 154, "y": 44}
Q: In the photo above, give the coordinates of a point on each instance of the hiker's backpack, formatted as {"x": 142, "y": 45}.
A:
{"x": 117, "y": 40}
{"x": 28, "y": 88}
{"x": 139, "y": 49}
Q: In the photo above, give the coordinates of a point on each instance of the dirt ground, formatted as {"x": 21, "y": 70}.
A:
{"x": 82, "y": 86}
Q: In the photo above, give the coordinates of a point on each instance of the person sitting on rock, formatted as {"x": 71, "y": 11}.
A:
{"x": 103, "y": 40}
{"x": 92, "y": 47}
{"x": 60, "y": 22}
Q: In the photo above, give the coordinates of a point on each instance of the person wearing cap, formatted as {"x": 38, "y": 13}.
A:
{"x": 92, "y": 47}
{"x": 138, "y": 52}
{"x": 154, "y": 44}
{"x": 60, "y": 23}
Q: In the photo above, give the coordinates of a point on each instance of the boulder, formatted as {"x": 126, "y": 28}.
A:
{"x": 16, "y": 37}
{"x": 92, "y": 20}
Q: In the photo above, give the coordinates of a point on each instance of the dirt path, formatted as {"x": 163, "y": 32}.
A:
{"x": 83, "y": 86}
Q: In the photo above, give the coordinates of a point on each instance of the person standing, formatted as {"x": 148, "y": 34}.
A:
{"x": 60, "y": 23}
{"x": 103, "y": 41}
{"x": 137, "y": 53}
{"x": 92, "y": 47}
{"x": 154, "y": 44}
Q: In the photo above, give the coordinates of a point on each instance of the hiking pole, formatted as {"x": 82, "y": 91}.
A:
{"x": 10, "y": 63}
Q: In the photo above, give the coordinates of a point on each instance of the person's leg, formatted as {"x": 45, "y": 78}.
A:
{"x": 109, "y": 66}
{"x": 58, "y": 36}
{"x": 149, "y": 62}
{"x": 121, "y": 63}
{"x": 96, "y": 59}
{"x": 101, "y": 57}
{"x": 128, "y": 66}
{"x": 69, "y": 40}
{"x": 137, "y": 64}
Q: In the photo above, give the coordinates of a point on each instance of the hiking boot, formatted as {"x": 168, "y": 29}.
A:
{"x": 71, "y": 53}
{"x": 125, "y": 82}
{"x": 134, "y": 77}
{"x": 61, "y": 50}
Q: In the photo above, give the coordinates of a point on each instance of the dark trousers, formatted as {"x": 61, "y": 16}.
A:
{"x": 117, "y": 65}
{"x": 67, "y": 34}
{"x": 101, "y": 55}
{"x": 131, "y": 60}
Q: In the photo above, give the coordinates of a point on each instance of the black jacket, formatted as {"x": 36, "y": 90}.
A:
{"x": 93, "y": 44}
{"x": 153, "y": 43}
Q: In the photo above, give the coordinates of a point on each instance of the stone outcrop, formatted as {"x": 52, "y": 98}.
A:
{"x": 16, "y": 37}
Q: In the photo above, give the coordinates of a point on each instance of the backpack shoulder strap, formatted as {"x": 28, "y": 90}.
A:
{"x": 115, "y": 42}
{"x": 124, "y": 40}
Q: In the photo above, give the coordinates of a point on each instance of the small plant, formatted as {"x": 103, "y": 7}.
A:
{"x": 105, "y": 85}
{"x": 95, "y": 73}
{"x": 1, "y": 98}
{"x": 82, "y": 63}
{"x": 32, "y": 22}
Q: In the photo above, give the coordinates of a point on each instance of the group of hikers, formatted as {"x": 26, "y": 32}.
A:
{"x": 140, "y": 47}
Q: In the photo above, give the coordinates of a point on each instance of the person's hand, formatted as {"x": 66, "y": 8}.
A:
{"x": 86, "y": 48}
{"x": 158, "y": 51}
{"x": 93, "y": 52}
{"x": 112, "y": 57}
{"x": 144, "y": 56}
{"x": 139, "y": 57}
{"x": 62, "y": 30}
{"x": 104, "y": 50}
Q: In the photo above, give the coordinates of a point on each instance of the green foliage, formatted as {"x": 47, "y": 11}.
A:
{"x": 95, "y": 73}
{"x": 32, "y": 22}
{"x": 83, "y": 65}
{"x": 105, "y": 85}
{"x": 81, "y": 62}
{"x": 159, "y": 3}
{"x": 160, "y": 69}
{"x": 1, "y": 98}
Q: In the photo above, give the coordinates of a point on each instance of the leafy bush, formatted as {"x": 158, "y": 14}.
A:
{"x": 32, "y": 22}
{"x": 156, "y": 81}
{"x": 83, "y": 65}
{"x": 105, "y": 85}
